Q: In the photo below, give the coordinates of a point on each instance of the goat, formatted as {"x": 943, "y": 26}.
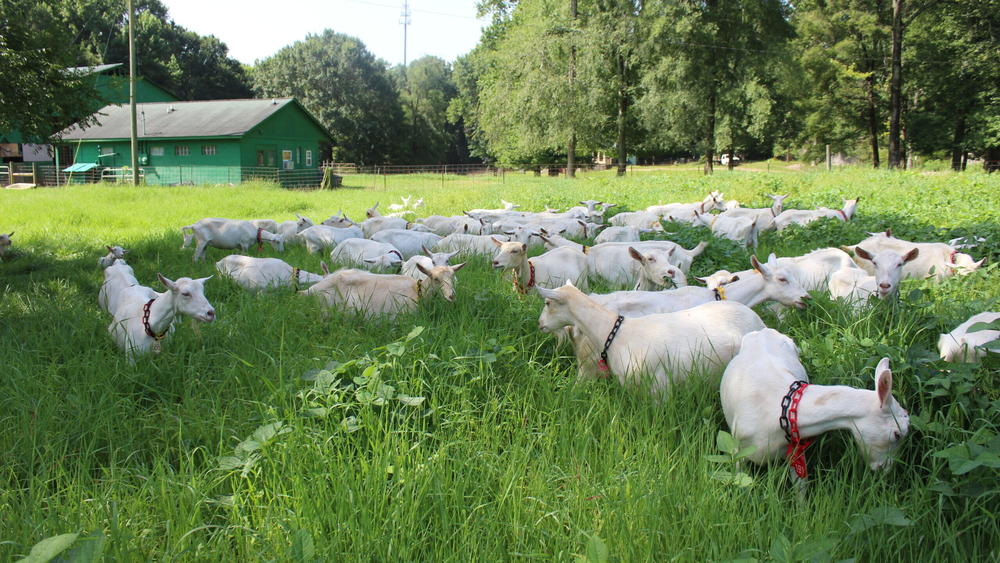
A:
{"x": 409, "y": 243}
{"x": 960, "y": 345}
{"x": 319, "y": 237}
{"x": 5, "y": 242}
{"x": 806, "y": 216}
{"x": 764, "y": 371}
{"x": 367, "y": 254}
{"x": 739, "y": 229}
{"x": 548, "y": 270}
{"x": 383, "y": 294}
{"x": 229, "y": 234}
{"x": 936, "y": 259}
{"x": 114, "y": 253}
{"x": 428, "y": 260}
{"x": 667, "y": 347}
{"x": 856, "y": 286}
{"x": 255, "y": 274}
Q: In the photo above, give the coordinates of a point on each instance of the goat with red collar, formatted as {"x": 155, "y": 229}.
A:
{"x": 229, "y": 234}
{"x": 769, "y": 404}
{"x": 551, "y": 269}
{"x": 806, "y": 216}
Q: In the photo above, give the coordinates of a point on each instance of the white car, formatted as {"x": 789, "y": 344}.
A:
{"x": 724, "y": 159}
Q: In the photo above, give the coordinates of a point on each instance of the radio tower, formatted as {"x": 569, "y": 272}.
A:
{"x": 404, "y": 19}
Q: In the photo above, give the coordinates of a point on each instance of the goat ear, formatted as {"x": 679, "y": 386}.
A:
{"x": 371, "y": 261}
{"x": 105, "y": 246}
{"x": 862, "y": 253}
{"x": 426, "y": 252}
{"x": 883, "y": 382}
{"x": 423, "y": 270}
{"x": 582, "y": 224}
{"x": 634, "y": 253}
{"x": 911, "y": 255}
{"x": 762, "y": 269}
{"x": 569, "y": 283}
{"x": 325, "y": 268}
{"x": 734, "y": 279}
{"x": 203, "y": 280}
{"x": 702, "y": 280}
{"x": 458, "y": 267}
{"x": 546, "y": 293}
{"x": 167, "y": 282}
{"x": 496, "y": 242}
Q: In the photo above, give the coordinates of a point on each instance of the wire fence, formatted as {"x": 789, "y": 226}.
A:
{"x": 47, "y": 174}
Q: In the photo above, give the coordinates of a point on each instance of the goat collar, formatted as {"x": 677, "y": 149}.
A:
{"x": 531, "y": 279}
{"x": 295, "y": 278}
{"x": 789, "y": 422}
{"x": 773, "y": 214}
{"x": 720, "y": 293}
{"x": 260, "y": 242}
{"x": 145, "y": 323}
{"x": 586, "y": 249}
{"x": 420, "y": 289}
{"x": 842, "y": 214}
{"x": 602, "y": 364}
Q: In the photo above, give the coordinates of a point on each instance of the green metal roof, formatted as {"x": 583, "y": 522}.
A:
{"x": 214, "y": 118}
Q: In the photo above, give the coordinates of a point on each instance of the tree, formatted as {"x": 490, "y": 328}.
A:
{"x": 39, "y": 95}
{"x": 708, "y": 71}
{"x": 426, "y": 90}
{"x": 345, "y": 87}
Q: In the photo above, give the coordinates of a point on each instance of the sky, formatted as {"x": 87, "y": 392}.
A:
{"x": 256, "y": 29}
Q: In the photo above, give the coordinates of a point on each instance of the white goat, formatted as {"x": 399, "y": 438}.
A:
{"x": 367, "y": 254}
{"x": 255, "y": 274}
{"x": 739, "y": 229}
{"x": 936, "y": 259}
{"x": 469, "y": 244}
{"x": 269, "y": 225}
{"x": 229, "y": 234}
{"x": 319, "y": 237}
{"x": 118, "y": 277}
{"x": 551, "y": 269}
{"x": 340, "y": 220}
{"x": 806, "y": 216}
{"x": 770, "y": 282}
{"x": 763, "y": 218}
{"x": 613, "y": 261}
{"x": 409, "y": 243}
{"x": 757, "y": 379}
{"x": 856, "y": 286}
{"x": 114, "y": 253}
{"x": 382, "y": 294}
{"x": 960, "y": 345}
{"x": 144, "y": 317}
{"x": 288, "y": 229}
{"x": 668, "y": 347}
{"x": 625, "y": 234}
{"x": 428, "y": 260}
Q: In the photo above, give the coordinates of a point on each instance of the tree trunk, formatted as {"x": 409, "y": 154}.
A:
{"x": 731, "y": 163}
{"x": 957, "y": 143}
{"x": 896, "y": 86}
{"x": 907, "y": 141}
{"x": 710, "y": 134}
{"x": 872, "y": 119}
{"x": 622, "y": 110}
{"x": 571, "y": 146}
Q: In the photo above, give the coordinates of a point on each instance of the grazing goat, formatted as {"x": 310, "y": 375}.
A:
{"x": 319, "y": 237}
{"x": 806, "y": 216}
{"x": 383, "y": 294}
{"x": 667, "y": 348}
{"x": 960, "y": 345}
{"x": 612, "y": 261}
{"x": 409, "y": 243}
{"x": 769, "y": 282}
{"x": 767, "y": 369}
{"x": 551, "y": 269}
{"x": 340, "y": 220}
{"x": 288, "y": 229}
{"x": 143, "y": 317}
{"x": 763, "y": 218}
{"x": 366, "y": 253}
{"x": 255, "y": 274}
{"x": 739, "y": 229}
{"x": 229, "y": 234}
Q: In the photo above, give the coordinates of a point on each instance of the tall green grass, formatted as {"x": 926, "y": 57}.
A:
{"x": 273, "y": 434}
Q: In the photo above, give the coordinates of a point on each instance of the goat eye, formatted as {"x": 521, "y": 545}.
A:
{"x": 186, "y": 293}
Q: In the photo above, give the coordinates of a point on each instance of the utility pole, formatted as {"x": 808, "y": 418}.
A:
{"x": 404, "y": 18}
{"x": 571, "y": 146}
{"x": 131, "y": 93}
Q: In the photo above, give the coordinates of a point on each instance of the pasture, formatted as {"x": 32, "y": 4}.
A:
{"x": 458, "y": 432}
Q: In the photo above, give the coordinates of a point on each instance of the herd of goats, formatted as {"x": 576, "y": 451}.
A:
{"x": 656, "y": 333}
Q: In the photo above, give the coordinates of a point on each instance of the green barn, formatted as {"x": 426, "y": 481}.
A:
{"x": 217, "y": 141}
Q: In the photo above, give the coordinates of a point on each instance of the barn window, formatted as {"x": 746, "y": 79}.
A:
{"x": 181, "y": 150}
{"x": 286, "y": 160}
{"x": 107, "y": 151}
{"x": 208, "y": 150}
{"x": 156, "y": 151}
{"x": 309, "y": 158}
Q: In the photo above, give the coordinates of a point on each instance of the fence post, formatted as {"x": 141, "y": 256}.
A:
{"x": 829, "y": 161}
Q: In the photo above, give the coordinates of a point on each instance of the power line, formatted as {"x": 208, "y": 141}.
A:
{"x": 418, "y": 10}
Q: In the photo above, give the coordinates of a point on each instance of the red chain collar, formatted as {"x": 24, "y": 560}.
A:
{"x": 531, "y": 279}
{"x": 789, "y": 421}
{"x": 145, "y": 322}
{"x": 952, "y": 257}
{"x": 842, "y": 214}
{"x": 260, "y": 243}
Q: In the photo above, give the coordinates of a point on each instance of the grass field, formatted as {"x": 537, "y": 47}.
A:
{"x": 274, "y": 435}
